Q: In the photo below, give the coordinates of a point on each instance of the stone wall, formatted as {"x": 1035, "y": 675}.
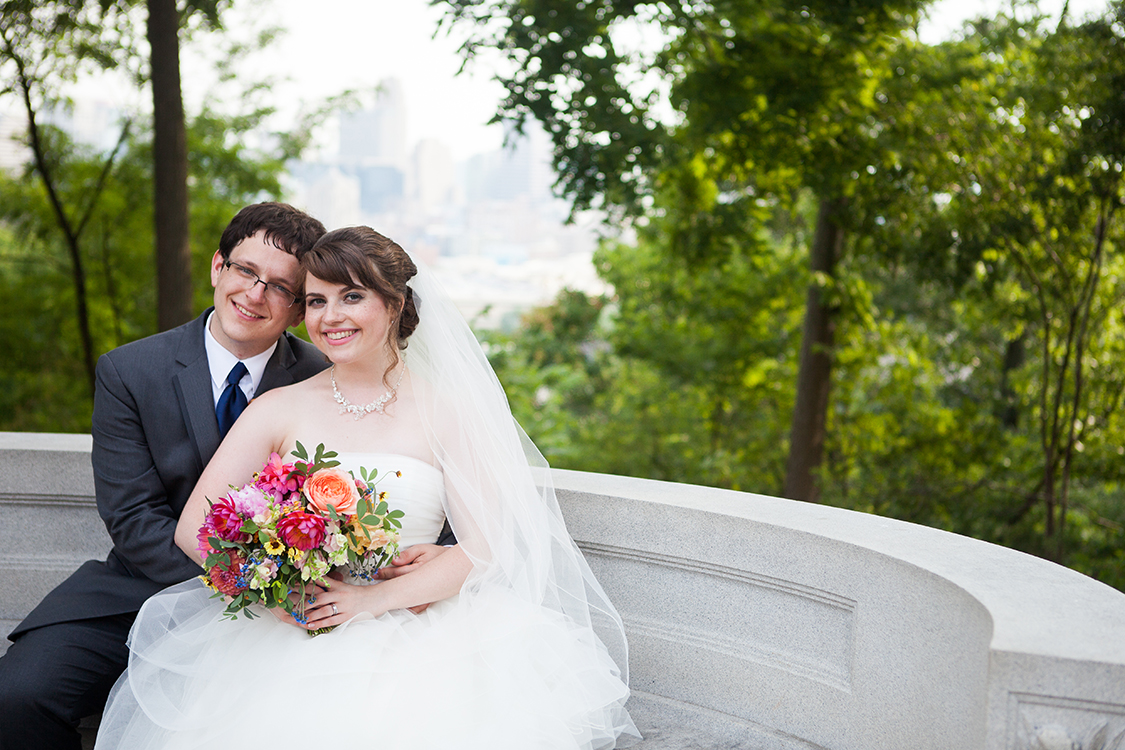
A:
{"x": 48, "y": 522}
{"x": 794, "y": 625}
{"x": 754, "y": 621}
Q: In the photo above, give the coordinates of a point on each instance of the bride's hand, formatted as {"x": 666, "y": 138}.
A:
{"x": 340, "y": 602}
{"x": 310, "y": 594}
{"x": 438, "y": 579}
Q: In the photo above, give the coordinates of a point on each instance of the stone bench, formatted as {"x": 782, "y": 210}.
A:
{"x": 753, "y": 622}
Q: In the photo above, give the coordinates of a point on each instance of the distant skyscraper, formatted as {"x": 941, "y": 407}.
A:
{"x": 380, "y": 188}
{"x": 333, "y": 198}
{"x": 373, "y": 148}
{"x": 376, "y": 137}
{"x": 520, "y": 169}
{"x": 434, "y": 175}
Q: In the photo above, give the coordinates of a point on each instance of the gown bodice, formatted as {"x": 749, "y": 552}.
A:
{"x": 419, "y": 493}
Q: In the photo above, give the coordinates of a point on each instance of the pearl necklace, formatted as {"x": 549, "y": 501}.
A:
{"x": 359, "y": 412}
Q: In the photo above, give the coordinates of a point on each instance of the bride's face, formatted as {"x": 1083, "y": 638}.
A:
{"x": 347, "y": 323}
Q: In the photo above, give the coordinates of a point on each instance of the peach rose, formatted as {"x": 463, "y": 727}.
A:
{"x": 333, "y": 487}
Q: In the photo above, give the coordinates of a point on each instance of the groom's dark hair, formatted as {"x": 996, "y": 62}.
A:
{"x": 286, "y": 228}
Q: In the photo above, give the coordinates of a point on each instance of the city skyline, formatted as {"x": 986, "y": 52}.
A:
{"x": 489, "y": 225}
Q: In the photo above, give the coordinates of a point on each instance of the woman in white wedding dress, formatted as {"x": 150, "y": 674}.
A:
{"x": 519, "y": 647}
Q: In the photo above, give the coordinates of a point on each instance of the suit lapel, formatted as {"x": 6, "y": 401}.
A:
{"x": 277, "y": 371}
{"x": 193, "y": 386}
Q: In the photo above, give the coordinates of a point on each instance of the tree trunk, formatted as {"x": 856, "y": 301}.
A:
{"x": 170, "y": 168}
{"x": 1015, "y": 355}
{"x": 810, "y": 414}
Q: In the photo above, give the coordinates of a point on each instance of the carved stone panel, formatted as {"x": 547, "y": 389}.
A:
{"x": 779, "y": 623}
{"x": 1044, "y": 722}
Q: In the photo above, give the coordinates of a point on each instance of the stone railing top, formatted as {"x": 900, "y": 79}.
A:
{"x": 1037, "y": 607}
{"x": 45, "y": 441}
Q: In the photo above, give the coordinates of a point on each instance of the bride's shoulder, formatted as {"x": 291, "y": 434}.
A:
{"x": 287, "y": 395}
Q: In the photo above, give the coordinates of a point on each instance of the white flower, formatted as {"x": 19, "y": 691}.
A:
{"x": 314, "y": 568}
{"x": 262, "y": 574}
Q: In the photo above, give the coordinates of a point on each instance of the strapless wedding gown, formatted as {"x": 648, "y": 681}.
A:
{"x": 502, "y": 673}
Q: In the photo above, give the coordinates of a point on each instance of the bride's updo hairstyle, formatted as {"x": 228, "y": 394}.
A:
{"x": 360, "y": 256}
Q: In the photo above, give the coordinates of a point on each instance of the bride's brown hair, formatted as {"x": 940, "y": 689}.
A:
{"x": 360, "y": 256}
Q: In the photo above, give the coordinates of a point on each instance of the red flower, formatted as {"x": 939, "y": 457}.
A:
{"x": 225, "y": 522}
{"x": 302, "y": 530}
{"x": 228, "y": 578}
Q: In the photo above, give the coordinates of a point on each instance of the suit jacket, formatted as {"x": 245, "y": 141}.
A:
{"x": 154, "y": 430}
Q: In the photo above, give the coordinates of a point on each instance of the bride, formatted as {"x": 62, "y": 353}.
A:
{"x": 519, "y": 647}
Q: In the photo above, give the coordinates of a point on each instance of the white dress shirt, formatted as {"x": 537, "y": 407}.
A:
{"x": 221, "y": 361}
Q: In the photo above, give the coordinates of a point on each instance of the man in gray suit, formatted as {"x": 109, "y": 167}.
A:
{"x": 161, "y": 406}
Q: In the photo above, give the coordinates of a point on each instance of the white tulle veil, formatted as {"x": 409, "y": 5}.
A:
{"x": 502, "y": 504}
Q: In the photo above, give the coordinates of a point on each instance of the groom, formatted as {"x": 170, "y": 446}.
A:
{"x": 161, "y": 407}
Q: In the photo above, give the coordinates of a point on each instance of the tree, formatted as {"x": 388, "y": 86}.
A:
{"x": 44, "y": 46}
{"x": 170, "y": 167}
{"x": 1038, "y": 197}
{"x": 1010, "y": 226}
{"x": 170, "y": 156}
{"x": 976, "y": 296}
{"x": 767, "y": 99}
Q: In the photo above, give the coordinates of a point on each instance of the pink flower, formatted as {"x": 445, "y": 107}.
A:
{"x": 332, "y": 487}
{"x": 276, "y": 478}
{"x": 226, "y": 522}
{"x": 249, "y": 502}
{"x": 302, "y": 530}
{"x": 206, "y": 531}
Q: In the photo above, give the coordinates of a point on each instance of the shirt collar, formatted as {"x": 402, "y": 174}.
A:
{"x": 220, "y": 361}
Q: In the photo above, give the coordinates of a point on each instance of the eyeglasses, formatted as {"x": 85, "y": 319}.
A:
{"x": 276, "y": 292}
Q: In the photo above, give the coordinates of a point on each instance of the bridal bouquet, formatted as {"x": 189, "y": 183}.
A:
{"x": 290, "y": 527}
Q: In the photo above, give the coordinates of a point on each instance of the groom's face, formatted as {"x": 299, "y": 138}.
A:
{"x": 249, "y": 318}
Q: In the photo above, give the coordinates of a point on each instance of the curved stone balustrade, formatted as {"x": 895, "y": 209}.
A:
{"x": 754, "y": 622}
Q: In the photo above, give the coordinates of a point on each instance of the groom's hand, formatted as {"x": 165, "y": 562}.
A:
{"x": 409, "y": 560}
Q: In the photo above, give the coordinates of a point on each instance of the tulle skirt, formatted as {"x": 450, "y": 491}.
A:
{"x": 477, "y": 671}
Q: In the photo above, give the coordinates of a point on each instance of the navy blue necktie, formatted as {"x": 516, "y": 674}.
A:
{"x": 232, "y": 400}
